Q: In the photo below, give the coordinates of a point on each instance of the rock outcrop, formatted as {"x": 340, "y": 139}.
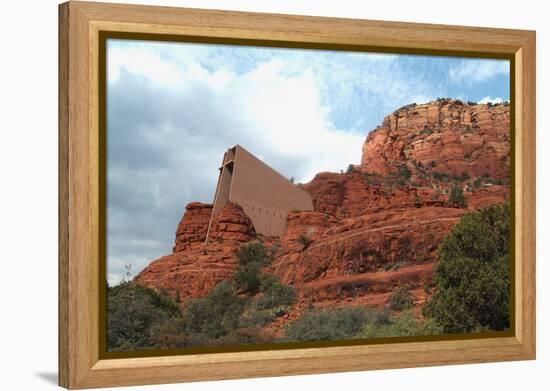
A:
{"x": 194, "y": 268}
{"x": 447, "y": 136}
{"x": 191, "y": 232}
{"x": 374, "y": 227}
{"x": 232, "y": 224}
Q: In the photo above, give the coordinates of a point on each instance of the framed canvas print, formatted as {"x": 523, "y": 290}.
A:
{"x": 247, "y": 195}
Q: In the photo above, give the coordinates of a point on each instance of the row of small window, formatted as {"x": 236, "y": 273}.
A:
{"x": 267, "y": 213}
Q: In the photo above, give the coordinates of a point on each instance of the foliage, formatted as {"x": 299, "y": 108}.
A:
{"x": 304, "y": 240}
{"x": 405, "y": 172}
{"x": 441, "y": 176}
{"x": 205, "y": 321}
{"x": 252, "y": 256}
{"x": 400, "y": 299}
{"x": 426, "y": 130}
{"x": 472, "y": 278}
{"x": 381, "y": 325}
{"x": 253, "y": 251}
{"x": 477, "y": 183}
{"x": 132, "y": 311}
{"x": 333, "y": 324}
{"x": 457, "y": 198}
{"x": 215, "y": 315}
{"x": 248, "y": 277}
{"x": 276, "y": 294}
{"x": 140, "y": 318}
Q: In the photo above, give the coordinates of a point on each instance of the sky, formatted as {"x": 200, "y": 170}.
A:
{"x": 174, "y": 108}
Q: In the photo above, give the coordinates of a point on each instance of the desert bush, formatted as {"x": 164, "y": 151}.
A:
{"x": 243, "y": 336}
{"x": 253, "y": 252}
{"x": 477, "y": 183}
{"x": 405, "y": 172}
{"x": 472, "y": 277}
{"x": 401, "y": 325}
{"x": 254, "y": 317}
{"x": 132, "y": 311}
{"x": 248, "y": 277}
{"x": 215, "y": 315}
{"x": 334, "y": 324}
{"x": 426, "y": 130}
{"x": 456, "y": 197}
{"x": 276, "y": 294}
{"x": 400, "y": 299}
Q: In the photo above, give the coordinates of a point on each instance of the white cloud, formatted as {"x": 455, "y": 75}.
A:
{"x": 471, "y": 71}
{"x": 489, "y": 99}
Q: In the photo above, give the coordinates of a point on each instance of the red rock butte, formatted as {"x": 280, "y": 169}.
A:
{"x": 370, "y": 229}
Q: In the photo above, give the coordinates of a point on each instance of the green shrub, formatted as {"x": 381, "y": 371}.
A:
{"x": 266, "y": 281}
{"x": 253, "y": 252}
{"x": 462, "y": 177}
{"x": 477, "y": 183}
{"x": 334, "y": 324}
{"x": 472, "y": 277}
{"x": 243, "y": 336}
{"x": 456, "y": 197}
{"x": 248, "y": 277}
{"x": 405, "y": 172}
{"x": 215, "y": 315}
{"x": 132, "y": 311}
{"x": 378, "y": 317}
{"x": 441, "y": 176}
{"x": 400, "y": 299}
{"x": 280, "y": 310}
{"x": 401, "y": 325}
{"x": 426, "y": 130}
{"x": 275, "y": 295}
{"x": 253, "y": 317}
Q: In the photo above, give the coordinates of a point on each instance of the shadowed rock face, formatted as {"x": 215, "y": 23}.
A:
{"x": 373, "y": 228}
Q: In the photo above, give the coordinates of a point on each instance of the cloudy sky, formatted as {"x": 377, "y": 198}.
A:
{"x": 174, "y": 108}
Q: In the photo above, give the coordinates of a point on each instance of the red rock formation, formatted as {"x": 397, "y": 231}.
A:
{"x": 193, "y": 272}
{"x": 232, "y": 224}
{"x": 447, "y": 136}
{"x": 375, "y": 227}
{"x": 194, "y": 269}
{"x": 191, "y": 232}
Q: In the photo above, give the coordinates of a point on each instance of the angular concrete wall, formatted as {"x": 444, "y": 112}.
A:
{"x": 264, "y": 194}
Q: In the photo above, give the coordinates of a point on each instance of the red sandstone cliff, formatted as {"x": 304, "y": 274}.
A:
{"x": 193, "y": 269}
{"x": 374, "y": 227}
{"x": 448, "y": 136}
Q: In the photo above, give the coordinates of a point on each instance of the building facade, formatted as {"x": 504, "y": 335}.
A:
{"x": 265, "y": 195}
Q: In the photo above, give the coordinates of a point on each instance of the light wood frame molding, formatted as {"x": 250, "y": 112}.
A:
{"x": 80, "y": 365}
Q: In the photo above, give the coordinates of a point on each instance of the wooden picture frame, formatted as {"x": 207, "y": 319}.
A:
{"x": 80, "y": 25}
